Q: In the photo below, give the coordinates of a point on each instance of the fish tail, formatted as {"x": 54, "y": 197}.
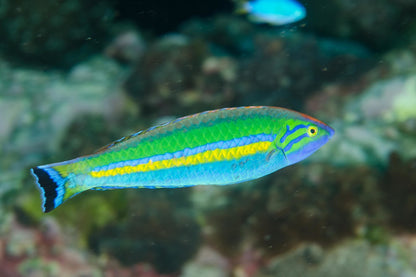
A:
{"x": 56, "y": 184}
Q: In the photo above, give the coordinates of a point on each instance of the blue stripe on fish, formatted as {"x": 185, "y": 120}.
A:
{"x": 192, "y": 151}
{"x": 296, "y": 140}
{"x": 289, "y": 132}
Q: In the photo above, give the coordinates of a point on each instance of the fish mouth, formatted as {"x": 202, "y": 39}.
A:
{"x": 330, "y": 130}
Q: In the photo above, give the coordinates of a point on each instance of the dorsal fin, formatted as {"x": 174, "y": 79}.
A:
{"x": 117, "y": 142}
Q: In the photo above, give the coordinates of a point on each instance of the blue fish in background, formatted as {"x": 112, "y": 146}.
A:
{"x": 274, "y": 12}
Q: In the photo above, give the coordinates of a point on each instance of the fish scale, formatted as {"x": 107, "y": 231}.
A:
{"x": 218, "y": 147}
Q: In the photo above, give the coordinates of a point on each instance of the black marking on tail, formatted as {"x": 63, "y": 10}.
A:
{"x": 48, "y": 187}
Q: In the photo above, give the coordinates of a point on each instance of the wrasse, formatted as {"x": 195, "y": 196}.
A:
{"x": 218, "y": 147}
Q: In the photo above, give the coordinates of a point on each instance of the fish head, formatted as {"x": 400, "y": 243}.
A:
{"x": 301, "y": 136}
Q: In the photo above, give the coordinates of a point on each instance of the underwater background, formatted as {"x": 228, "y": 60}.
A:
{"x": 76, "y": 75}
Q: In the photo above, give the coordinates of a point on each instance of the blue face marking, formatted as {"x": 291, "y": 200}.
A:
{"x": 292, "y": 142}
{"x": 324, "y": 134}
{"x": 289, "y": 132}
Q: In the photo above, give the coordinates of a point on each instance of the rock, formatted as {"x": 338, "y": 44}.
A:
{"x": 38, "y": 107}
{"x": 361, "y": 21}
{"x": 127, "y": 47}
{"x": 352, "y": 258}
{"x": 52, "y": 33}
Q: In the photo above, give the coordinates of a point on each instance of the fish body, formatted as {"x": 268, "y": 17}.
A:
{"x": 218, "y": 147}
{"x": 274, "y": 12}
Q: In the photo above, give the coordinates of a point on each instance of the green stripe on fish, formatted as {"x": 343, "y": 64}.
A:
{"x": 218, "y": 147}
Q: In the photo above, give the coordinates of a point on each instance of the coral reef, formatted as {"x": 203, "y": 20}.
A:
{"x": 61, "y": 34}
{"x": 40, "y": 252}
{"x": 350, "y": 258}
{"x": 373, "y": 116}
{"x": 348, "y": 210}
{"x": 399, "y": 187}
{"x": 316, "y": 204}
{"x": 53, "y": 32}
{"x": 373, "y": 22}
{"x": 312, "y": 203}
{"x": 46, "y": 249}
{"x": 229, "y": 34}
{"x": 286, "y": 69}
{"x": 178, "y": 74}
{"x": 204, "y": 70}
{"x": 127, "y": 47}
{"x": 156, "y": 224}
{"x": 33, "y": 129}
{"x": 207, "y": 262}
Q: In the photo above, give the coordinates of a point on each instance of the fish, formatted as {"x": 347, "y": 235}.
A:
{"x": 273, "y": 12}
{"x": 218, "y": 147}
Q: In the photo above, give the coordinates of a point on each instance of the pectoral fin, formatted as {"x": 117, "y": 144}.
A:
{"x": 275, "y": 151}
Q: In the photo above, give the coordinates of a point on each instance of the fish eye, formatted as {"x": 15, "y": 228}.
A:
{"x": 312, "y": 131}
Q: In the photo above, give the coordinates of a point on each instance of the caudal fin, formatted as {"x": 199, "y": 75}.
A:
{"x": 57, "y": 183}
{"x": 51, "y": 186}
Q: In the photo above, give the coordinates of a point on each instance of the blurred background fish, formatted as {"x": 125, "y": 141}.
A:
{"x": 274, "y": 12}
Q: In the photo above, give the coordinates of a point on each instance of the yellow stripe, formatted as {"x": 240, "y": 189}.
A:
{"x": 203, "y": 157}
